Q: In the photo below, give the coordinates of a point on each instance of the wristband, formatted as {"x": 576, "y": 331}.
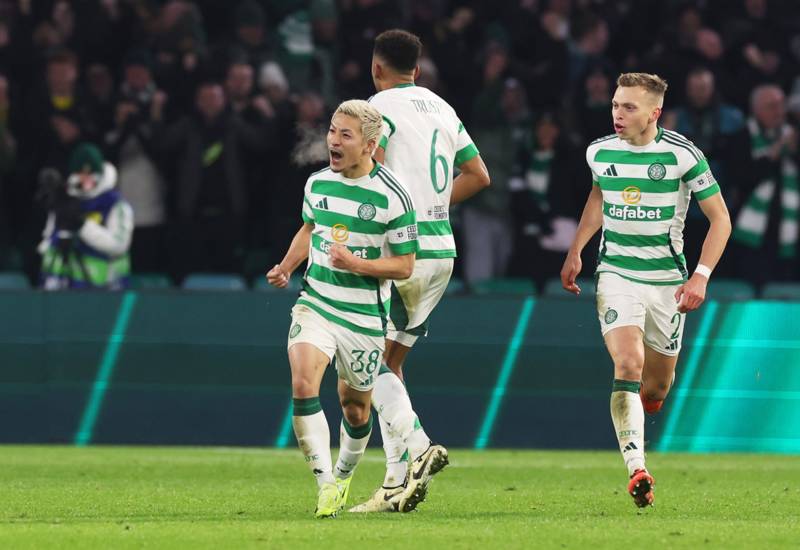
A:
{"x": 703, "y": 270}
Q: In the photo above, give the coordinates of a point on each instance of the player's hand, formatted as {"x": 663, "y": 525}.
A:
{"x": 691, "y": 294}
{"x": 342, "y": 258}
{"x": 278, "y": 277}
{"x": 571, "y": 269}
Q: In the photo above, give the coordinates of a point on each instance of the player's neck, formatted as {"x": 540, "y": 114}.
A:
{"x": 397, "y": 81}
{"x": 359, "y": 170}
{"x": 645, "y": 137}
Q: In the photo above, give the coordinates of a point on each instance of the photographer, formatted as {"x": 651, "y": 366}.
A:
{"x": 89, "y": 226}
{"x": 129, "y": 148}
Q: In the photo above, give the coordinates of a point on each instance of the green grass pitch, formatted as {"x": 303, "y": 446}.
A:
{"x": 145, "y": 497}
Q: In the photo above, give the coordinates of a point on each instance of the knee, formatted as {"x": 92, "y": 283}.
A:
{"x": 303, "y": 386}
{"x": 628, "y": 367}
{"x": 356, "y": 414}
{"x": 656, "y": 390}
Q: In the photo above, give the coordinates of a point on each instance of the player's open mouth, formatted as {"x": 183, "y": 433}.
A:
{"x": 335, "y": 155}
{"x": 618, "y": 128}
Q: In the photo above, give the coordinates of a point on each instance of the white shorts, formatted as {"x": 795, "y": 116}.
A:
{"x": 413, "y": 300}
{"x": 355, "y": 356}
{"x": 652, "y": 308}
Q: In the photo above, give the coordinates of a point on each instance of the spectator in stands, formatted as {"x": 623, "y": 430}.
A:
{"x": 100, "y": 96}
{"x": 592, "y": 105}
{"x": 763, "y": 171}
{"x": 486, "y": 218}
{"x": 258, "y": 111}
{"x": 89, "y": 226}
{"x": 251, "y": 33}
{"x": 304, "y": 150}
{"x": 546, "y": 189}
{"x": 130, "y": 147}
{"x": 588, "y": 45}
{"x": 59, "y": 117}
{"x": 710, "y": 123}
{"x": 210, "y": 191}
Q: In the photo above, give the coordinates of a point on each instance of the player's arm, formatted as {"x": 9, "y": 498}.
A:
{"x": 390, "y": 267}
{"x": 298, "y": 253}
{"x": 692, "y": 293}
{"x": 591, "y": 221}
{"x": 401, "y": 232}
{"x": 474, "y": 177}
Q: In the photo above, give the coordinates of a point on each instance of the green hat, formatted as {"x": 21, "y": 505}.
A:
{"x": 86, "y": 156}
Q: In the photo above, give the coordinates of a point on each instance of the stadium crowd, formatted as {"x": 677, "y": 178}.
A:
{"x": 214, "y": 114}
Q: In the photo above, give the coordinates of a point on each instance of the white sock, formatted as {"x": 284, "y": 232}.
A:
{"x": 352, "y": 444}
{"x": 396, "y": 456}
{"x": 390, "y": 399}
{"x": 628, "y": 416}
{"x": 313, "y": 437}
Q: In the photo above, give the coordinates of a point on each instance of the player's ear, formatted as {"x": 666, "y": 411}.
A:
{"x": 416, "y": 72}
{"x": 656, "y": 114}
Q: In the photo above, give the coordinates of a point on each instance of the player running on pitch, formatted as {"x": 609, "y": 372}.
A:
{"x": 359, "y": 230}
{"x": 422, "y": 141}
{"x": 643, "y": 178}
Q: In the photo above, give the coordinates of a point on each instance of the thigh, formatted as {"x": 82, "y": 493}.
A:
{"x": 619, "y": 303}
{"x": 626, "y": 348}
{"x": 308, "y": 327}
{"x": 358, "y": 358}
{"x": 664, "y": 324}
{"x": 414, "y": 299}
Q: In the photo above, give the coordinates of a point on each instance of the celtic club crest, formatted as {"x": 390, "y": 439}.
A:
{"x": 656, "y": 171}
{"x": 366, "y": 211}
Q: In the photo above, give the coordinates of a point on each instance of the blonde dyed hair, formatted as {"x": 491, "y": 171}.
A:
{"x": 369, "y": 116}
{"x": 653, "y": 83}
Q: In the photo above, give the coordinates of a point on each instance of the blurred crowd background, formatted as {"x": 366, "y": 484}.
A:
{"x": 215, "y": 113}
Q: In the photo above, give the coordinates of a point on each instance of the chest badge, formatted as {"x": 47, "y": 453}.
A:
{"x": 366, "y": 211}
{"x": 656, "y": 171}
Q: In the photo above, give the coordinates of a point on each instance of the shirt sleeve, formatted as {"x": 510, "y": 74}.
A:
{"x": 114, "y": 236}
{"x": 308, "y": 211}
{"x": 465, "y": 147}
{"x": 589, "y": 159}
{"x": 700, "y": 179}
{"x": 389, "y": 127}
{"x": 402, "y": 227}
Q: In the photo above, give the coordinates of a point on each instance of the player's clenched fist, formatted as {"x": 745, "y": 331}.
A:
{"x": 277, "y": 277}
{"x": 691, "y": 294}
{"x": 341, "y": 257}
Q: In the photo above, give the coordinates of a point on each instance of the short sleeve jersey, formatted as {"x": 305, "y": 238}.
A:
{"x": 424, "y": 139}
{"x": 374, "y": 217}
{"x": 646, "y": 193}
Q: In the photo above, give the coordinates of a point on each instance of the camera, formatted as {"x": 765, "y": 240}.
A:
{"x": 51, "y": 193}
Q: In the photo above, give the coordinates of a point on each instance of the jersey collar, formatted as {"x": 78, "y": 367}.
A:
{"x": 374, "y": 169}
{"x": 404, "y": 85}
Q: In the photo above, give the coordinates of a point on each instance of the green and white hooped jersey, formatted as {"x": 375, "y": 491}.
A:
{"x": 646, "y": 193}
{"x": 424, "y": 139}
{"x": 374, "y": 217}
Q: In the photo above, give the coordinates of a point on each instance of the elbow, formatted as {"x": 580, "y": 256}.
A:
{"x": 406, "y": 271}
{"x": 485, "y": 180}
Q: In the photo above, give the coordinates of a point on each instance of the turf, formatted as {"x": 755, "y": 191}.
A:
{"x": 142, "y": 497}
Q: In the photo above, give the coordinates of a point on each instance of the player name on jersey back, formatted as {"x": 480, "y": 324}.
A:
{"x": 424, "y": 140}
